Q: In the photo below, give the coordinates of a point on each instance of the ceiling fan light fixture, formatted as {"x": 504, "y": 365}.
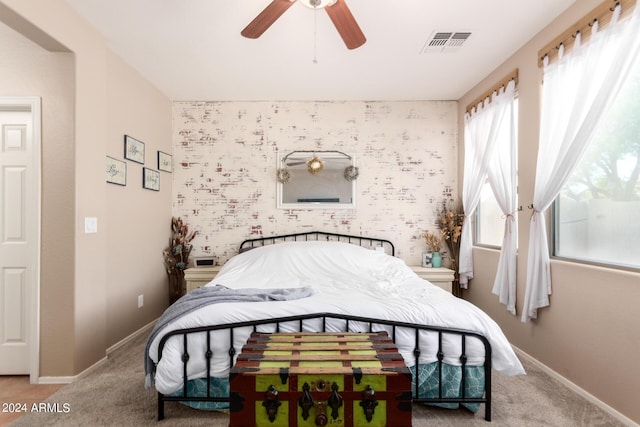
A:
{"x": 318, "y": 4}
{"x": 337, "y": 10}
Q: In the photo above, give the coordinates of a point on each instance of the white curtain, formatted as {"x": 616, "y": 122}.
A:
{"x": 481, "y": 129}
{"x": 577, "y": 89}
{"x": 502, "y": 179}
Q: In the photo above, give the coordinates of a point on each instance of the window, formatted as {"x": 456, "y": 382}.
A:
{"x": 597, "y": 214}
{"x": 489, "y": 219}
{"x": 489, "y": 229}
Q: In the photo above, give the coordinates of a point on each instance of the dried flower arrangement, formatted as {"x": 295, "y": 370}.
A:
{"x": 434, "y": 241}
{"x": 176, "y": 256}
{"x": 450, "y": 217}
{"x": 283, "y": 175}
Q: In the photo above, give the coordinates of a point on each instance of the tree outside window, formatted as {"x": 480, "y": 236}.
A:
{"x": 598, "y": 211}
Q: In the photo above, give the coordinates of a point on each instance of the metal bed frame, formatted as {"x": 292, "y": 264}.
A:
{"x": 320, "y": 236}
{"x": 348, "y": 321}
{"x": 463, "y": 334}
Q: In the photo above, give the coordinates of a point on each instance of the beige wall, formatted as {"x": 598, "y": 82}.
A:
{"x": 139, "y": 220}
{"x": 589, "y": 334}
{"x": 89, "y": 293}
{"x": 29, "y": 70}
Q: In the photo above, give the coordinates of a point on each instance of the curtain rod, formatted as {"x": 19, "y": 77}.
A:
{"x": 502, "y": 83}
{"x": 602, "y": 14}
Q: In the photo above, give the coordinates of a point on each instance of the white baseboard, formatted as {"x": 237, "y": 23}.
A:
{"x": 69, "y": 379}
{"x": 145, "y": 329}
{"x": 57, "y": 380}
{"x": 577, "y": 389}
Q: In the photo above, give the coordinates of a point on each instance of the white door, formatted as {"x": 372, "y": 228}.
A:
{"x": 19, "y": 235}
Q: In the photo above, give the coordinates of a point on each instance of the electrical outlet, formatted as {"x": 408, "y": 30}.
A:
{"x": 140, "y": 301}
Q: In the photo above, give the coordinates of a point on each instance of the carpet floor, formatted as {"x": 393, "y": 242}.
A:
{"x": 114, "y": 395}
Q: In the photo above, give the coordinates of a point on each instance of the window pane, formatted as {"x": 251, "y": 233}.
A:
{"x": 489, "y": 217}
{"x": 598, "y": 211}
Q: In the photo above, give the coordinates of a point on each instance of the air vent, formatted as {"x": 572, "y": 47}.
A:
{"x": 441, "y": 41}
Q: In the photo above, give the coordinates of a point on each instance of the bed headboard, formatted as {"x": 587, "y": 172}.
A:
{"x": 363, "y": 241}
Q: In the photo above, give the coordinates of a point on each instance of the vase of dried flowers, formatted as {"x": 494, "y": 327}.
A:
{"x": 176, "y": 257}
{"x": 450, "y": 217}
{"x": 436, "y": 259}
{"x": 434, "y": 242}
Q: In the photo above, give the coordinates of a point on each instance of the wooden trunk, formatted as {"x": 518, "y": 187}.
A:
{"x": 317, "y": 379}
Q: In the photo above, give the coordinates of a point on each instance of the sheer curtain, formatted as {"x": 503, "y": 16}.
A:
{"x": 577, "y": 89}
{"x": 481, "y": 129}
{"x": 502, "y": 179}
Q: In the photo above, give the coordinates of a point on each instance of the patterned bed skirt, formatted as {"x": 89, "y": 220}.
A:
{"x": 428, "y": 379}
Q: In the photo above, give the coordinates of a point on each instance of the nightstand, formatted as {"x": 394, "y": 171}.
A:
{"x": 200, "y": 276}
{"x": 441, "y": 277}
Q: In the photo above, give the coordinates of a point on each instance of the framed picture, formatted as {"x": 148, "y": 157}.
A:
{"x": 150, "y": 179}
{"x": 426, "y": 259}
{"x": 165, "y": 162}
{"x": 133, "y": 149}
{"x": 116, "y": 171}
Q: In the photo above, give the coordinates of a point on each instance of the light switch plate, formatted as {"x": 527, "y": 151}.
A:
{"x": 90, "y": 225}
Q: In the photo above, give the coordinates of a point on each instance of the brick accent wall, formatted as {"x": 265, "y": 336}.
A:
{"x": 225, "y": 162}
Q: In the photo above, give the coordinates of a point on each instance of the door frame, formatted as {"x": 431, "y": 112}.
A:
{"x": 33, "y": 223}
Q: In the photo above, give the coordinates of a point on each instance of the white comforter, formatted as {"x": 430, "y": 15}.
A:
{"x": 348, "y": 280}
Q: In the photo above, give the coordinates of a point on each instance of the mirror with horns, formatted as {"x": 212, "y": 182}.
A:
{"x": 316, "y": 180}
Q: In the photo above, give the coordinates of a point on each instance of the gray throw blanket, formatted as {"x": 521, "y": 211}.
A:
{"x": 206, "y": 295}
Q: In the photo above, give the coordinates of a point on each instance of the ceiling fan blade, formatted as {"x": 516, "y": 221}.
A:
{"x": 268, "y": 16}
{"x": 346, "y": 24}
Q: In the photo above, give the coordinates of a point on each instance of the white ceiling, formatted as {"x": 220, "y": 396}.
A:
{"x": 193, "y": 50}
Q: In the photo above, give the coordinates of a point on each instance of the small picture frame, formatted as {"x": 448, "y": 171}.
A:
{"x": 426, "y": 259}
{"x": 133, "y": 149}
{"x": 116, "y": 171}
{"x": 165, "y": 162}
{"x": 150, "y": 179}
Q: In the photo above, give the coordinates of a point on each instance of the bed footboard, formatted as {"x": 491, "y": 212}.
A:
{"x": 372, "y": 325}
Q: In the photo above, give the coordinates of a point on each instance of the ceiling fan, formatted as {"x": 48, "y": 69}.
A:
{"x": 337, "y": 10}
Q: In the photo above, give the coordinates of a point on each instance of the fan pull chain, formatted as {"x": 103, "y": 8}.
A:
{"x": 315, "y": 35}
